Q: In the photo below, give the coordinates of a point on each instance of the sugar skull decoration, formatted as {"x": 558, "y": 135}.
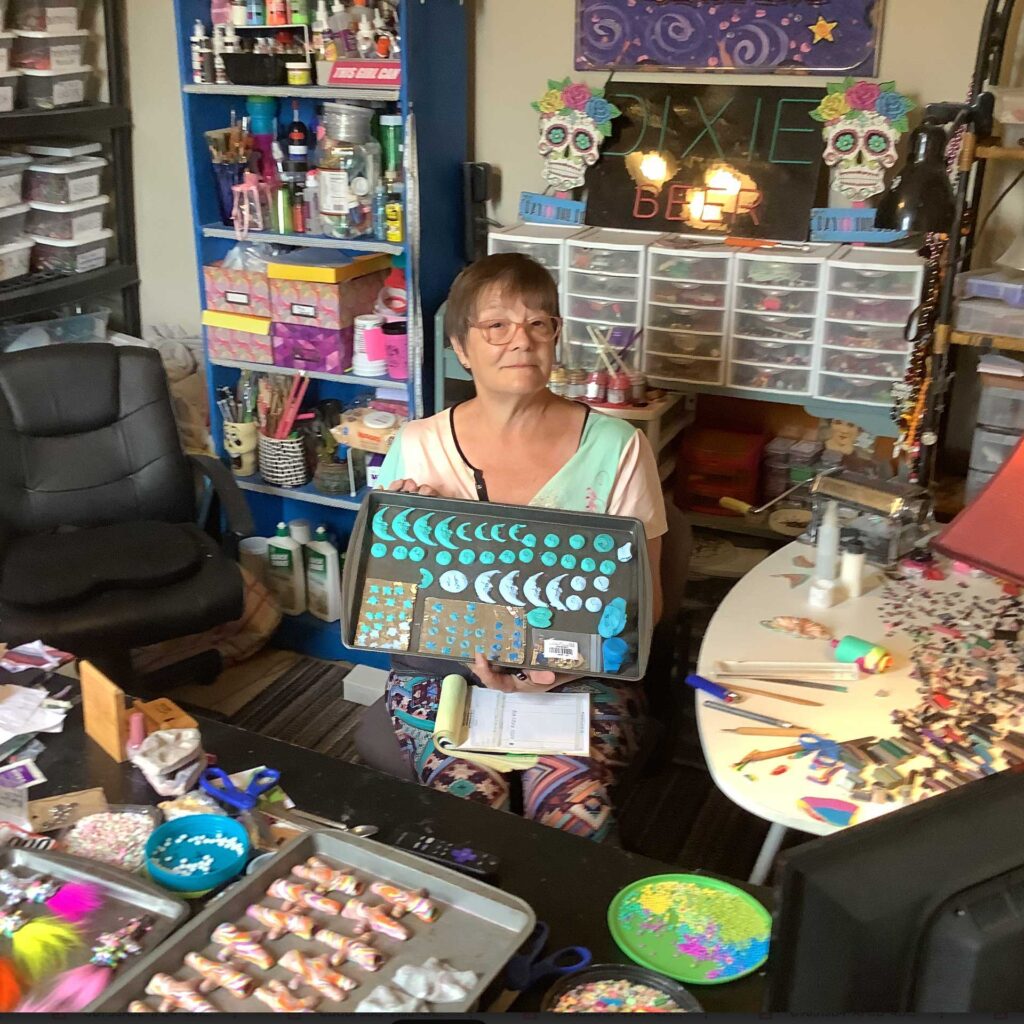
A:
{"x": 574, "y": 121}
{"x": 240, "y": 444}
{"x": 863, "y": 122}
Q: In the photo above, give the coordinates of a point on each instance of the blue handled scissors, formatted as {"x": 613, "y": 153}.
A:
{"x": 216, "y": 782}
{"x": 527, "y": 968}
{"x": 826, "y": 752}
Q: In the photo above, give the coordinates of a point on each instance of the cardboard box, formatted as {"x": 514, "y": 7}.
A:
{"x": 236, "y": 337}
{"x": 237, "y": 291}
{"x": 300, "y": 347}
{"x": 328, "y": 305}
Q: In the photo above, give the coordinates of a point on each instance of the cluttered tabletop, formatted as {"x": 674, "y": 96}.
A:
{"x": 281, "y": 879}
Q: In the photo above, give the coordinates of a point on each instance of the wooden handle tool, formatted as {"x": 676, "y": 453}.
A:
{"x": 775, "y": 696}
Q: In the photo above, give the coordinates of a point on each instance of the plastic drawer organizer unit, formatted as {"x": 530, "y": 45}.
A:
{"x": 870, "y": 297}
{"x": 543, "y": 242}
{"x": 689, "y": 290}
{"x": 603, "y": 293}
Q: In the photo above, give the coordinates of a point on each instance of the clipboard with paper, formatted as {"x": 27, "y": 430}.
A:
{"x": 509, "y": 731}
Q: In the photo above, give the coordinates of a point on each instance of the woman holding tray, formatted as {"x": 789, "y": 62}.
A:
{"x": 518, "y": 443}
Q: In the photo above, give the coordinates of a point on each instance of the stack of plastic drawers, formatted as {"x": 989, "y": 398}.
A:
{"x": 602, "y": 293}
{"x": 871, "y": 295}
{"x": 776, "y": 320}
{"x": 688, "y": 293}
{"x": 544, "y": 242}
{"x": 1000, "y": 427}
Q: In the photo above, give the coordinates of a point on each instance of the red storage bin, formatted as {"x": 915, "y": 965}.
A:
{"x": 715, "y": 464}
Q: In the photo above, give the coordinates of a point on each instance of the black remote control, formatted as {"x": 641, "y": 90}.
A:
{"x": 458, "y": 856}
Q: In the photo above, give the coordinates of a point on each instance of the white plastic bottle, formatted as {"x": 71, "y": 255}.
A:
{"x": 323, "y": 577}
{"x": 285, "y": 572}
{"x": 826, "y": 565}
{"x": 851, "y": 568}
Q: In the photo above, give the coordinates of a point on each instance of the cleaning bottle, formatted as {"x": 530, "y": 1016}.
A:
{"x": 323, "y": 577}
{"x": 365, "y": 39}
{"x": 826, "y": 566}
{"x": 340, "y": 23}
{"x": 321, "y": 30}
{"x": 285, "y": 573}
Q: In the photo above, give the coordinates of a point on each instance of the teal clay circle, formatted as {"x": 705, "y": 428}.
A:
{"x": 549, "y": 558}
{"x": 400, "y": 553}
{"x": 487, "y": 558}
{"x": 552, "y": 540}
{"x": 568, "y": 561}
{"x": 603, "y": 543}
{"x": 588, "y": 565}
{"x": 507, "y": 557}
{"x": 379, "y": 550}
{"x": 530, "y": 540}
{"x": 608, "y": 567}
{"x": 444, "y": 558}
{"x": 526, "y": 555}
{"x": 577, "y": 540}
{"x": 417, "y": 554}
{"x": 467, "y": 557}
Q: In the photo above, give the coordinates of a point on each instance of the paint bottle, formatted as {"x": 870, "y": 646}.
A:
{"x": 340, "y": 23}
{"x": 597, "y": 386}
{"x": 323, "y": 578}
{"x": 255, "y": 13}
{"x": 365, "y": 39}
{"x": 321, "y": 30}
{"x": 298, "y": 12}
{"x": 637, "y": 387}
{"x": 394, "y": 215}
{"x": 380, "y": 206}
{"x": 312, "y": 201}
{"x": 851, "y": 567}
{"x": 220, "y": 74}
{"x": 239, "y": 15}
{"x": 558, "y": 382}
{"x": 285, "y": 573}
{"x": 576, "y": 385}
{"x": 277, "y": 12}
{"x": 826, "y": 566}
{"x": 619, "y": 390}
{"x": 197, "y": 51}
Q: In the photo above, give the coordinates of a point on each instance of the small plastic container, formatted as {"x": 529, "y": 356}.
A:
{"x": 71, "y": 255}
{"x": 48, "y": 90}
{"x": 607, "y": 311}
{"x": 10, "y": 90}
{"x": 6, "y": 45}
{"x": 768, "y": 378}
{"x": 845, "y": 388}
{"x": 870, "y": 309}
{"x": 775, "y": 327}
{"x": 606, "y": 973}
{"x": 45, "y": 15}
{"x": 63, "y": 181}
{"x": 1009, "y": 111}
{"x": 717, "y": 463}
{"x": 12, "y": 223}
{"x": 866, "y": 364}
{"x": 67, "y": 220}
{"x": 49, "y": 51}
{"x": 104, "y": 838}
{"x": 772, "y": 353}
{"x": 986, "y": 316}
{"x": 895, "y": 283}
{"x": 684, "y": 343}
{"x": 686, "y": 369}
{"x": 89, "y": 325}
{"x": 12, "y": 174}
{"x": 991, "y": 449}
{"x": 999, "y": 283}
{"x": 15, "y": 259}
{"x": 192, "y": 856}
{"x": 866, "y": 337}
{"x": 689, "y": 294}
{"x": 601, "y": 286}
{"x": 759, "y": 299}
{"x": 1001, "y": 408}
{"x": 696, "y": 321}
{"x": 669, "y": 267}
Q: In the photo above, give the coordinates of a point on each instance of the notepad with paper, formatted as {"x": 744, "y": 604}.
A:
{"x": 507, "y": 731}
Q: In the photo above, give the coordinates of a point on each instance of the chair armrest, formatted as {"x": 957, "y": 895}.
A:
{"x": 236, "y": 508}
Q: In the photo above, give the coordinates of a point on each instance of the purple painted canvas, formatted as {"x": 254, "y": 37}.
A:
{"x": 822, "y": 37}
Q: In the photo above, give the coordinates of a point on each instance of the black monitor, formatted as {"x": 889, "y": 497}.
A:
{"x": 918, "y": 910}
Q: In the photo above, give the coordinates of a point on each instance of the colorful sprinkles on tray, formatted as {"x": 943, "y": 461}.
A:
{"x": 715, "y": 933}
{"x": 616, "y": 995}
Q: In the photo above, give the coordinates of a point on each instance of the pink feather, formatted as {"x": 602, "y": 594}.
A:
{"x": 75, "y": 901}
{"x": 74, "y": 991}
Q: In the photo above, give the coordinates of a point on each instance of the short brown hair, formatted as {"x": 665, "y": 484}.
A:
{"x": 513, "y": 272}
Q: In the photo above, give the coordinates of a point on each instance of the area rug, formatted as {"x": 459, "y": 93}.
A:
{"x": 306, "y": 706}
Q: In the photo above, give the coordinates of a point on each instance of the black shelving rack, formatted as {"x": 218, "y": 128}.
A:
{"x": 111, "y": 123}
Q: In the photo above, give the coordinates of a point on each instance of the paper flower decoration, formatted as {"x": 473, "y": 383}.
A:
{"x": 574, "y": 120}
{"x": 863, "y": 122}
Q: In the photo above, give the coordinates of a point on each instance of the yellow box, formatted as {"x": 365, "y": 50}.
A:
{"x": 359, "y": 267}
{"x": 236, "y": 322}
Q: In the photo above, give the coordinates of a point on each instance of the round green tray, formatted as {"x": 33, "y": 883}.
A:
{"x": 724, "y": 931}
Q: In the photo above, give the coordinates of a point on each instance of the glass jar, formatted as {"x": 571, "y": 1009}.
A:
{"x": 349, "y": 160}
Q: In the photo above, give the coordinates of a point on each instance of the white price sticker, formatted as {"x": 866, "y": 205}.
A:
{"x": 6, "y": 98}
{"x": 237, "y": 298}
{"x": 65, "y": 56}
{"x": 66, "y": 93}
{"x": 61, "y": 19}
{"x": 309, "y": 312}
{"x": 83, "y": 188}
{"x": 92, "y": 260}
{"x": 335, "y": 194}
{"x": 561, "y": 650}
{"x": 86, "y": 222}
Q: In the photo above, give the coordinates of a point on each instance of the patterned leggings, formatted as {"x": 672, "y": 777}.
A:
{"x": 568, "y": 793}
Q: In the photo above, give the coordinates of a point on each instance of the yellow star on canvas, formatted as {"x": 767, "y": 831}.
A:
{"x": 823, "y": 30}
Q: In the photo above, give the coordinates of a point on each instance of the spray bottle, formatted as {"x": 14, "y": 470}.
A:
{"x": 323, "y": 577}
{"x": 364, "y": 38}
{"x": 340, "y": 23}
{"x": 321, "y": 30}
{"x": 285, "y": 571}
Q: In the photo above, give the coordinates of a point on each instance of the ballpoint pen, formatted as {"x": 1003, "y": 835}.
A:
{"x": 700, "y": 683}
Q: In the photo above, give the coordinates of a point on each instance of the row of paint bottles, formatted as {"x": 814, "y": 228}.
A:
{"x": 257, "y": 13}
{"x": 305, "y": 577}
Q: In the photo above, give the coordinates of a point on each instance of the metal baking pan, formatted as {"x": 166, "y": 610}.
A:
{"x": 124, "y": 896}
{"x": 478, "y": 927}
{"x": 630, "y": 580}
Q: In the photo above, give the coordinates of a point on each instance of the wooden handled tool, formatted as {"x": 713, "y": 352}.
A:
{"x": 755, "y": 730}
{"x": 775, "y": 696}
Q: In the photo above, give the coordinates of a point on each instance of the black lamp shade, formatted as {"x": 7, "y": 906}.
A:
{"x": 920, "y": 199}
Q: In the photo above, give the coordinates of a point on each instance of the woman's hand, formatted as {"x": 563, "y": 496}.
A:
{"x": 517, "y": 681}
{"x": 411, "y": 487}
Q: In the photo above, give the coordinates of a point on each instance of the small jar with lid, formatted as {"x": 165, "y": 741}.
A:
{"x": 558, "y": 382}
{"x": 597, "y": 386}
{"x": 576, "y": 385}
{"x": 349, "y": 160}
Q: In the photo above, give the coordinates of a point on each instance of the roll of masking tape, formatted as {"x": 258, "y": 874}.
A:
{"x": 868, "y": 656}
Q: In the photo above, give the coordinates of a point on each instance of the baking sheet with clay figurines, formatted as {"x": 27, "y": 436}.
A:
{"x": 528, "y": 588}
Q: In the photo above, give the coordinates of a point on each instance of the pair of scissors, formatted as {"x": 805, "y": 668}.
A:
{"x": 826, "y": 752}
{"x": 527, "y": 968}
{"x": 218, "y": 784}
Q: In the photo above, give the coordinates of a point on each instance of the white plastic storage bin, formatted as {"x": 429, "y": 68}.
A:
{"x": 89, "y": 325}
{"x": 871, "y": 294}
{"x": 71, "y": 256}
{"x": 6, "y": 45}
{"x": 776, "y": 325}
{"x": 687, "y": 298}
{"x": 45, "y": 15}
{"x": 12, "y": 223}
{"x": 14, "y": 259}
{"x": 10, "y": 90}
{"x": 64, "y": 181}
{"x": 976, "y": 480}
{"x": 996, "y": 283}
{"x": 603, "y": 291}
{"x": 987, "y": 316}
{"x": 12, "y": 173}
{"x": 50, "y": 51}
{"x": 991, "y": 449}
{"x": 67, "y": 220}
{"x": 544, "y": 242}
{"x": 1009, "y": 111}
{"x": 47, "y": 90}
{"x": 1001, "y": 408}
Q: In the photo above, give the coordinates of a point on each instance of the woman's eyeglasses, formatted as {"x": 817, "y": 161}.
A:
{"x": 500, "y": 331}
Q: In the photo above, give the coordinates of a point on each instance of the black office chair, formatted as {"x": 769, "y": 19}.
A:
{"x": 99, "y": 547}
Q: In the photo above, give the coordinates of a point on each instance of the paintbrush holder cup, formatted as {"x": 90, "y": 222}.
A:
{"x": 283, "y": 462}
{"x": 240, "y": 444}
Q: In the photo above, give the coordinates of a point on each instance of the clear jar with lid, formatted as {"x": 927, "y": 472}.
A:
{"x": 349, "y": 159}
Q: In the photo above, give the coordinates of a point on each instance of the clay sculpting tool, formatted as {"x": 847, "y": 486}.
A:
{"x": 764, "y": 730}
{"x": 731, "y": 709}
{"x": 835, "y": 687}
{"x": 700, "y": 683}
{"x": 768, "y": 755}
{"x": 777, "y": 696}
